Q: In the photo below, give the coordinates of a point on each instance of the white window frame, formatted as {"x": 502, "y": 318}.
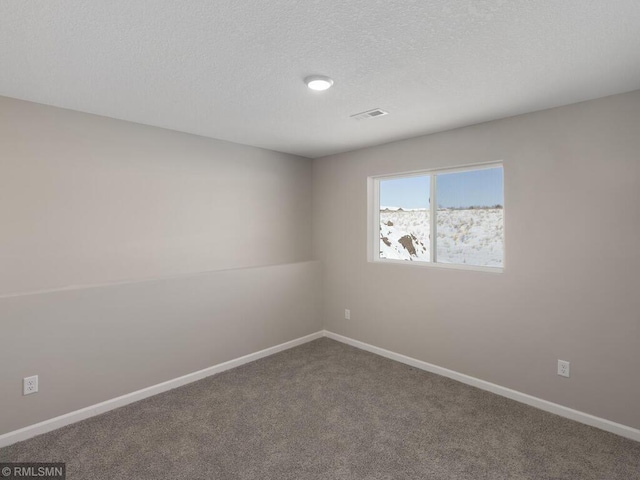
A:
{"x": 373, "y": 231}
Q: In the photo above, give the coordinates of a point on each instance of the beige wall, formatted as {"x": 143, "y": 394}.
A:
{"x": 87, "y": 200}
{"x": 570, "y": 287}
{"x": 94, "y": 344}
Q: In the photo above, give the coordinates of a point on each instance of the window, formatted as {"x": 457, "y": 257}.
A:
{"x": 467, "y": 204}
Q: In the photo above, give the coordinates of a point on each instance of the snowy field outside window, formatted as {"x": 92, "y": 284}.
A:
{"x": 468, "y": 210}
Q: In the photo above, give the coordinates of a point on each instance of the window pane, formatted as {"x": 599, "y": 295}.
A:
{"x": 470, "y": 228}
{"x": 404, "y": 218}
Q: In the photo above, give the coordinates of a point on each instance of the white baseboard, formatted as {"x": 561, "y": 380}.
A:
{"x": 97, "y": 409}
{"x": 93, "y": 410}
{"x": 578, "y": 416}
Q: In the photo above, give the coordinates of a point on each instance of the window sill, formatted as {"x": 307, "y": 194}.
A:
{"x": 446, "y": 266}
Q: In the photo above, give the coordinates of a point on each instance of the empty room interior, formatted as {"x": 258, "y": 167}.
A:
{"x": 320, "y": 240}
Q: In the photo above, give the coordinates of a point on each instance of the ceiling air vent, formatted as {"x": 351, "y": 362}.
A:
{"x": 376, "y": 112}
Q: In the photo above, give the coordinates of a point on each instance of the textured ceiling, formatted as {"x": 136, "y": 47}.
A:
{"x": 233, "y": 69}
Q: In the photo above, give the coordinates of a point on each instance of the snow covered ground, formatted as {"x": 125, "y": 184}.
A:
{"x": 470, "y": 236}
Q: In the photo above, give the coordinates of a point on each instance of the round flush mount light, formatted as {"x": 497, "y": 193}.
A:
{"x": 318, "y": 82}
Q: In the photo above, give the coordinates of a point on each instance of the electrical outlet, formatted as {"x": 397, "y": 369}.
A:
{"x": 347, "y": 314}
{"x": 563, "y": 368}
{"x": 30, "y": 385}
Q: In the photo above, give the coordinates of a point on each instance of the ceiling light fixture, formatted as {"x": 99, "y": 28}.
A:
{"x": 318, "y": 82}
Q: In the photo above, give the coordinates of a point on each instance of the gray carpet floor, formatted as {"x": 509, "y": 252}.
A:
{"x": 325, "y": 410}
